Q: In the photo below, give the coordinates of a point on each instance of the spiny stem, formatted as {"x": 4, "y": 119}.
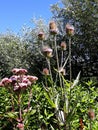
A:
{"x": 56, "y": 53}
{"x": 48, "y": 61}
{"x": 57, "y": 59}
{"x": 62, "y": 58}
{"x": 70, "y": 77}
{"x": 42, "y": 43}
{"x": 70, "y": 67}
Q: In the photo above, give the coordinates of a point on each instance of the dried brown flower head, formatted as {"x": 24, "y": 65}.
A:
{"x": 69, "y": 29}
{"x": 53, "y": 28}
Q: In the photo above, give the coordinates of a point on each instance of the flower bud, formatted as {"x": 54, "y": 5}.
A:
{"x": 32, "y": 79}
{"x": 41, "y": 36}
{"x": 19, "y": 71}
{"x": 47, "y": 52}
{"x": 6, "y": 82}
{"x": 69, "y": 29}
{"x": 53, "y": 28}
{"x": 63, "y": 45}
{"x": 45, "y": 71}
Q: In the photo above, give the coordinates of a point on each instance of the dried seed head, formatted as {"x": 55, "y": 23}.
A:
{"x": 47, "y": 52}
{"x": 69, "y": 29}
{"x": 63, "y": 45}
{"x": 53, "y": 28}
{"x": 41, "y": 35}
{"x": 45, "y": 71}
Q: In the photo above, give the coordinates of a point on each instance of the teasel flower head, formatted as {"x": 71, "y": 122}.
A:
{"x": 69, "y": 29}
{"x": 46, "y": 71}
{"x": 63, "y": 45}
{"x": 53, "y": 28}
{"x": 47, "y": 52}
{"x": 41, "y": 35}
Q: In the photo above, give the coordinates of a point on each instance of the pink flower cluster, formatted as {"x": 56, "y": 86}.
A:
{"x": 19, "y": 80}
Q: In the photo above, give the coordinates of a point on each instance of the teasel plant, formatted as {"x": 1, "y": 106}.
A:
{"x": 58, "y": 81}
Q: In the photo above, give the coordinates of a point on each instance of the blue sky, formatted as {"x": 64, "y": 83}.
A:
{"x": 16, "y": 13}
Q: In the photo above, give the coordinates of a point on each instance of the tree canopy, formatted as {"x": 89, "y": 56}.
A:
{"x": 83, "y": 14}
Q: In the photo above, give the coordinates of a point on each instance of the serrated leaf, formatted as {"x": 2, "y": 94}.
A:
{"x": 76, "y": 80}
{"x": 13, "y": 115}
{"x": 50, "y": 115}
{"x": 57, "y": 102}
{"x": 49, "y": 100}
{"x": 33, "y": 112}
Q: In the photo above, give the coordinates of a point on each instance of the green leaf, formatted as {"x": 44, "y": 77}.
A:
{"x": 33, "y": 112}
{"x": 76, "y": 80}
{"x": 57, "y": 102}
{"x": 13, "y": 115}
{"x": 50, "y": 115}
{"x": 49, "y": 100}
{"x": 66, "y": 82}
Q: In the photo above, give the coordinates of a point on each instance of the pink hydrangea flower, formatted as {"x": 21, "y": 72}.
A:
{"x": 23, "y": 85}
{"x": 14, "y": 79}
{"x": 19, "y": 71}
{"x": 32, "y": 78}
{"x": 16, "y": 87}
{"x": 6, "y": 81}
{"x": 1, "y": 84}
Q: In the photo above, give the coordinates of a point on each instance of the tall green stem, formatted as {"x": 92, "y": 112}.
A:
{"x": 61, "y": 58}
{"x": 70, "y": 76}
{"x": 70, "y": 66}
{"x": 48, "y": 61}
{"x": 57, "y": 59}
